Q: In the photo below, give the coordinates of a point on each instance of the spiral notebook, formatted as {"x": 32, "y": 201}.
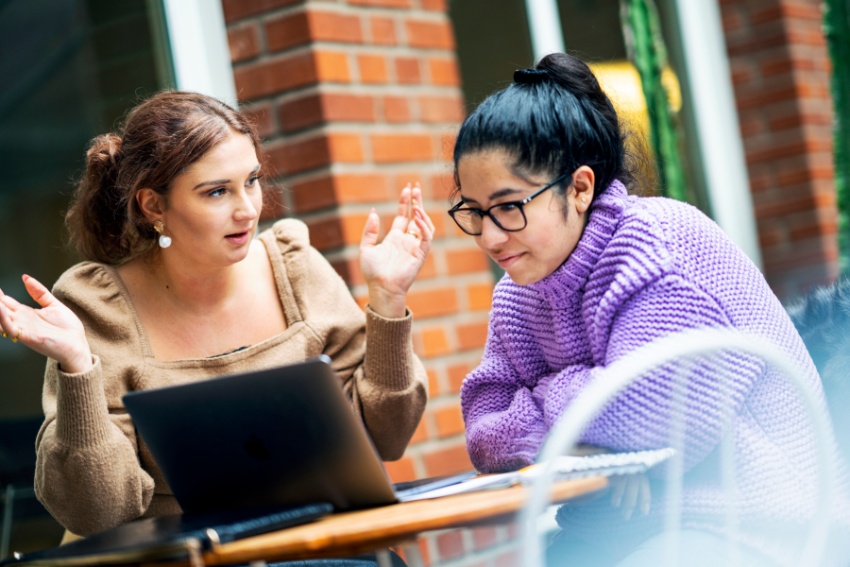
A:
{"x": 566, "y": 467}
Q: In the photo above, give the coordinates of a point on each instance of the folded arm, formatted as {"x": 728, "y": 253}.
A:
{"x": 508, "y": 416}
{"x": 697, "y": 395}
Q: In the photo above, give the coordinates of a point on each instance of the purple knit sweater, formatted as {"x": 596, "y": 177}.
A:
{"x": 645, "y": 268}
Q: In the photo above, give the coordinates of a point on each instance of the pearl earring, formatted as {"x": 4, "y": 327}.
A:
{"x": 164, "y": 241}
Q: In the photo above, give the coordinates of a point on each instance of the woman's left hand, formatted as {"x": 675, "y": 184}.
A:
{"x": 390, "y": 267}
{"x": 629, "y": 492}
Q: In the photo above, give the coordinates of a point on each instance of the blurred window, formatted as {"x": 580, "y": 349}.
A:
{"x": 70, "y": 70}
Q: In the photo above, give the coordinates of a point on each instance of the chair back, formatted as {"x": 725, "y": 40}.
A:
{"x": 686, "y": 346}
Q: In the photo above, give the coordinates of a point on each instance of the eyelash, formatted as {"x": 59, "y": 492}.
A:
{"x": 251, "y": 181}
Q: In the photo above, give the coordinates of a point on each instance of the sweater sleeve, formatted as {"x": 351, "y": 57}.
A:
{"x": 372, "y": 355}
{"x": 88, "y": 473}
{"x": 505, "y": 425}
{"x": 699, "y": 394}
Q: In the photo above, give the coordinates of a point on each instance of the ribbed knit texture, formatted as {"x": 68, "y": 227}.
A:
{"x": 645, "y": 268}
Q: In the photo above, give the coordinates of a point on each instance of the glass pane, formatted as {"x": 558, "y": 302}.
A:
{"x": 70, "y": 69}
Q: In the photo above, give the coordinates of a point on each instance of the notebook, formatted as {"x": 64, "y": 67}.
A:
{"x": 565, "y": 467}
{"x": 270, "y": 439}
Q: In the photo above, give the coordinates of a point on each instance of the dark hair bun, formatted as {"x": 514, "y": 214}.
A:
{"x": 530, "y": 76}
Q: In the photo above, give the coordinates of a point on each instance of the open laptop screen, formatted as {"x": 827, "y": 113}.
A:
{"x": 274, "y": 438}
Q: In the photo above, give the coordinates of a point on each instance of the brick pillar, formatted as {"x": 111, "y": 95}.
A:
{"x": 780, "y": 71}
{"x": 354, "y": 99}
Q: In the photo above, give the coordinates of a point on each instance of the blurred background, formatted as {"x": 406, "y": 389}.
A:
{"x": 727, "y": 101}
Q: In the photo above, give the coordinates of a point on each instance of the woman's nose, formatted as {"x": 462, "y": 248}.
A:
{"x": 491, "y": 236}
{"x": 245, "y": 207}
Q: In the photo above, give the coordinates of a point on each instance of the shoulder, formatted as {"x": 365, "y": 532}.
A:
{"x": 637, "y": 251}
{"x": 682, "y": 228}
{"x": 96, "y": 295}
{"x": 697, "y": 248}
{"x": 87, "y": 282}
{"x": 657, "y": 233}
{"x": 291, "y": 235}
{"x": 288, "y": 243}
{"x": 659, "y": 218}
{"x": 642, "y": 250}
{"x": 306, "y": 269}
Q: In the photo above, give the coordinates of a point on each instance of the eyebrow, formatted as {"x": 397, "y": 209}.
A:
{"x": 493, "y": 196}
{"x": 221, "y": 181}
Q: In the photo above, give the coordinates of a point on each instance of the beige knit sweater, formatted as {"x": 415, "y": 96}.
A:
{"x": 94, "y": 473}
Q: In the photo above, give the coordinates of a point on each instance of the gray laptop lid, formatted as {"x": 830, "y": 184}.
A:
{"x": 274, "y": 438}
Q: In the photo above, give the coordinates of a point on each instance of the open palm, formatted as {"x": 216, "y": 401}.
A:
{"x": 51, "y": 329}
{"x": 391, "y": 266}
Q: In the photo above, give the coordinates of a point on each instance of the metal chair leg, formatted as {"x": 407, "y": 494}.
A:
{"x": 6, "y": 535}
{"x": 413, "y": 555}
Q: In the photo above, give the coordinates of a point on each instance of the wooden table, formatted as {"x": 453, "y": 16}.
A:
{"x": 339, "y": 535}
{"x": 363, "y": 531}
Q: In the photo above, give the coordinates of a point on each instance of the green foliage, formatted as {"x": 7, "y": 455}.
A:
{"x": 642, "y": 33}
{"x": 837, "y": 29}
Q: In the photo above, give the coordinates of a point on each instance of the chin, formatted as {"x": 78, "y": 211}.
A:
{"x": 524, "y": 278}
{"x": 238, "y": 256}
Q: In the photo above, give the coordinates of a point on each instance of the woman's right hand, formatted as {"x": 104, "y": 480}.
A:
{"x": 53, "y": 330}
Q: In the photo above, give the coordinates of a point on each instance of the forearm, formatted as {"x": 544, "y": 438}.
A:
{"x": 87, "y": 470}
{"x": 392, "y": 389}
{"x": 502, "y": 438}
{"x": 694, "y": 395}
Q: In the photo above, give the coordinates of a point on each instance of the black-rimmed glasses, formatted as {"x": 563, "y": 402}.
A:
{"x": 509, "y": 216}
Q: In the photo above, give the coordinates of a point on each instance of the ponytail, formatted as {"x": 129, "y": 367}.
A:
{"x": 97, "y": 217}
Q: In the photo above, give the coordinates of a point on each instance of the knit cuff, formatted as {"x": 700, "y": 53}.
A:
{"x": 82, "y": 416}
{"x": 389, "y": 350}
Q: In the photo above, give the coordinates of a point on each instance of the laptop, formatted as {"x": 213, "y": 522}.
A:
{"x": 270, "y": 439}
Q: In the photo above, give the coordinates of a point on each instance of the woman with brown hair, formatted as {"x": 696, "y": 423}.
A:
{"x": 176, "y": 288}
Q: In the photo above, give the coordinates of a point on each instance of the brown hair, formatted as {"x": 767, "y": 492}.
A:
{"x": 160, "y": 138}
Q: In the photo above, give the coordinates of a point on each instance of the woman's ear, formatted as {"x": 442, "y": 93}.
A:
{"x": 583, "y": 183}
{"x": 151, "y": 204}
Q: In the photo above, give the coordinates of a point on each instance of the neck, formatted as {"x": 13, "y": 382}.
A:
{"x": 192, "y": 288}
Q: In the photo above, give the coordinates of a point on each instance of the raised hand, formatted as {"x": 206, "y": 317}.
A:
{"x": 52, "y": 330}
{"x": 390, "y": 267}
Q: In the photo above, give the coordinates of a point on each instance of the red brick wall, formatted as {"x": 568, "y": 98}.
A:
{"x": 780, "y": 70}
{"x": 354, "y": 99}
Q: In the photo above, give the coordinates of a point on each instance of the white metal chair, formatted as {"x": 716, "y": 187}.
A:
{"x": 684, "y": 346}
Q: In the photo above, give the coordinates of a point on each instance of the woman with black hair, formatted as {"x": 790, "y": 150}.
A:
{"x": 593, "y": 274}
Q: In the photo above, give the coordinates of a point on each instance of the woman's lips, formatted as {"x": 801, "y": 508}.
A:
{"x": 239, "y": 238}
{"x": 505, "y": 262}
